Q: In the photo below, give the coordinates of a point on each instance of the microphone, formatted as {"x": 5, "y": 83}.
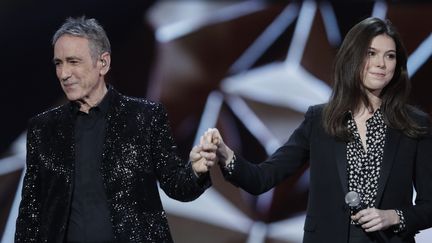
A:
{"x": 353, "y": 200}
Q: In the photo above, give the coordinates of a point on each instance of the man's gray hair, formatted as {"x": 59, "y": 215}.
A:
{"x": 86, "y": 28}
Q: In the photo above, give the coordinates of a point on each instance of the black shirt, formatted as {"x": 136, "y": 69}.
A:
{"x": 89, "y": 219}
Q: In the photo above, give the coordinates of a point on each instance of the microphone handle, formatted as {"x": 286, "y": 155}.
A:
{"x": 356, "y": 209}
{"x": 377, "y": 235}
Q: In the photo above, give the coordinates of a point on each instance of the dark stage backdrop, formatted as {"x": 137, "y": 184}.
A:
{"x": 250, "y": 68}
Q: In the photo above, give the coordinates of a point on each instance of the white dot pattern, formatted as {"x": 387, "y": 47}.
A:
{"x": 364, "y": 165}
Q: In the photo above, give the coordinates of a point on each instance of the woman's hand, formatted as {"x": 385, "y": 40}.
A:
{"x": 223, "y": 153}
{"x": 372, "y": 219}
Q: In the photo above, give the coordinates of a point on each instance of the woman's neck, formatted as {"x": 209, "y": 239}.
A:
{"x": 375, "y": 102}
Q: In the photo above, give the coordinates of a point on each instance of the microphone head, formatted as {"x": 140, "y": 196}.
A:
{"x": 352, "y": 199}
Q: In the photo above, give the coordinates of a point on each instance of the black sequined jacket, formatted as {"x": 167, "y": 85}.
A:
{"x": 138, "y": 151}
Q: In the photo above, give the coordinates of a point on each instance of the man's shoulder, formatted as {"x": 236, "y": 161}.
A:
{"x": 50, "y": 114}
{"x": 137, "y": 101}
{"x": 139, "y": 104}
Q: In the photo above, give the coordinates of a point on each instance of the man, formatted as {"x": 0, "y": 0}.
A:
{"x": 93, "y": 164}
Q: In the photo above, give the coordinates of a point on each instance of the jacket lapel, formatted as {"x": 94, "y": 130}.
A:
{"x": 341, "y": 161}
{"x": 390, "y": 148}
{"x": 112, "y": 135}
{"x": 65, "y": 139}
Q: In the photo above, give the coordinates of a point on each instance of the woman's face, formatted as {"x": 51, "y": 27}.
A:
{"x": 380, "y": 64}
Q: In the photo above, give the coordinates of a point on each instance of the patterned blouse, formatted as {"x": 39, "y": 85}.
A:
{"x": 364, "y": 165}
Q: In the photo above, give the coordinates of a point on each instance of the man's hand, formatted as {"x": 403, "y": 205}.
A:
{"x": 223, "y": 153}
{"x": 203, "y": 156}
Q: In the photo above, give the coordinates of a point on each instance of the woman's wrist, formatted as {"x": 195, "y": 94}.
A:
{"x": 230, "y": 157}
{"x": 400, "y": 225}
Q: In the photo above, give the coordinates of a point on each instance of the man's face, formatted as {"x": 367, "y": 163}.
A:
{"x": 80, "y": 76}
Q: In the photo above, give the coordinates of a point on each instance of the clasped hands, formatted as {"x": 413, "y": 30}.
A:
{"x": 211, "y": 150}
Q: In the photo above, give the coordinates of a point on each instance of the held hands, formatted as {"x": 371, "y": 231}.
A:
{"x": 210, "y": 151}
{"x": 372, "y": 219}
{"x": 223, "y": 153}
{"x": 203, "y": 156}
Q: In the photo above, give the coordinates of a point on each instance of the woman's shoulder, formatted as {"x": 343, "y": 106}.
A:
{"x": 315, "y": 110}
{"x": 416, "y": 113}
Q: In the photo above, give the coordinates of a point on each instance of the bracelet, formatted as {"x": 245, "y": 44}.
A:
{"x": 229, "y": 167}
{"x": 401, "y": 226}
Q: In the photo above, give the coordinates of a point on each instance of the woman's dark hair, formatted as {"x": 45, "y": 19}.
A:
{"x": 349, "y": 91}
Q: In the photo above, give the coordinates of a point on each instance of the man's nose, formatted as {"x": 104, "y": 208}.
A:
{"x": 64, "y": 73}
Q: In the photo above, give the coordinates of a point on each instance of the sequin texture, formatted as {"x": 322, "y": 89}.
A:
{"x": 139, "y": 152}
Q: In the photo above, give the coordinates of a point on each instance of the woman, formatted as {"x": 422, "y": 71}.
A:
{"x": 366, "y": 139}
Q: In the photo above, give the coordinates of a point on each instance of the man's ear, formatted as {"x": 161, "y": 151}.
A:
{"x": 105, "y": 62}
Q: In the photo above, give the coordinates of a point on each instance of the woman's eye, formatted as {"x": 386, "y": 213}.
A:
{"x": 391, "y": 56}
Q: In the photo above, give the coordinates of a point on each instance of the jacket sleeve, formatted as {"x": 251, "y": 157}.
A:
{"x": 28, "y": 221}
{"x": 283, "y": 163}
{"x": 419, "y": 216}
{"x": 175, "y": 176}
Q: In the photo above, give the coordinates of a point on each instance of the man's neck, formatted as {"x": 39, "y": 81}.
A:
{"x": 88, "y": 102}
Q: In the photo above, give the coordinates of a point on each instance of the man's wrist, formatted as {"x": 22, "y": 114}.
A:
{"x": 192, "y": 167}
